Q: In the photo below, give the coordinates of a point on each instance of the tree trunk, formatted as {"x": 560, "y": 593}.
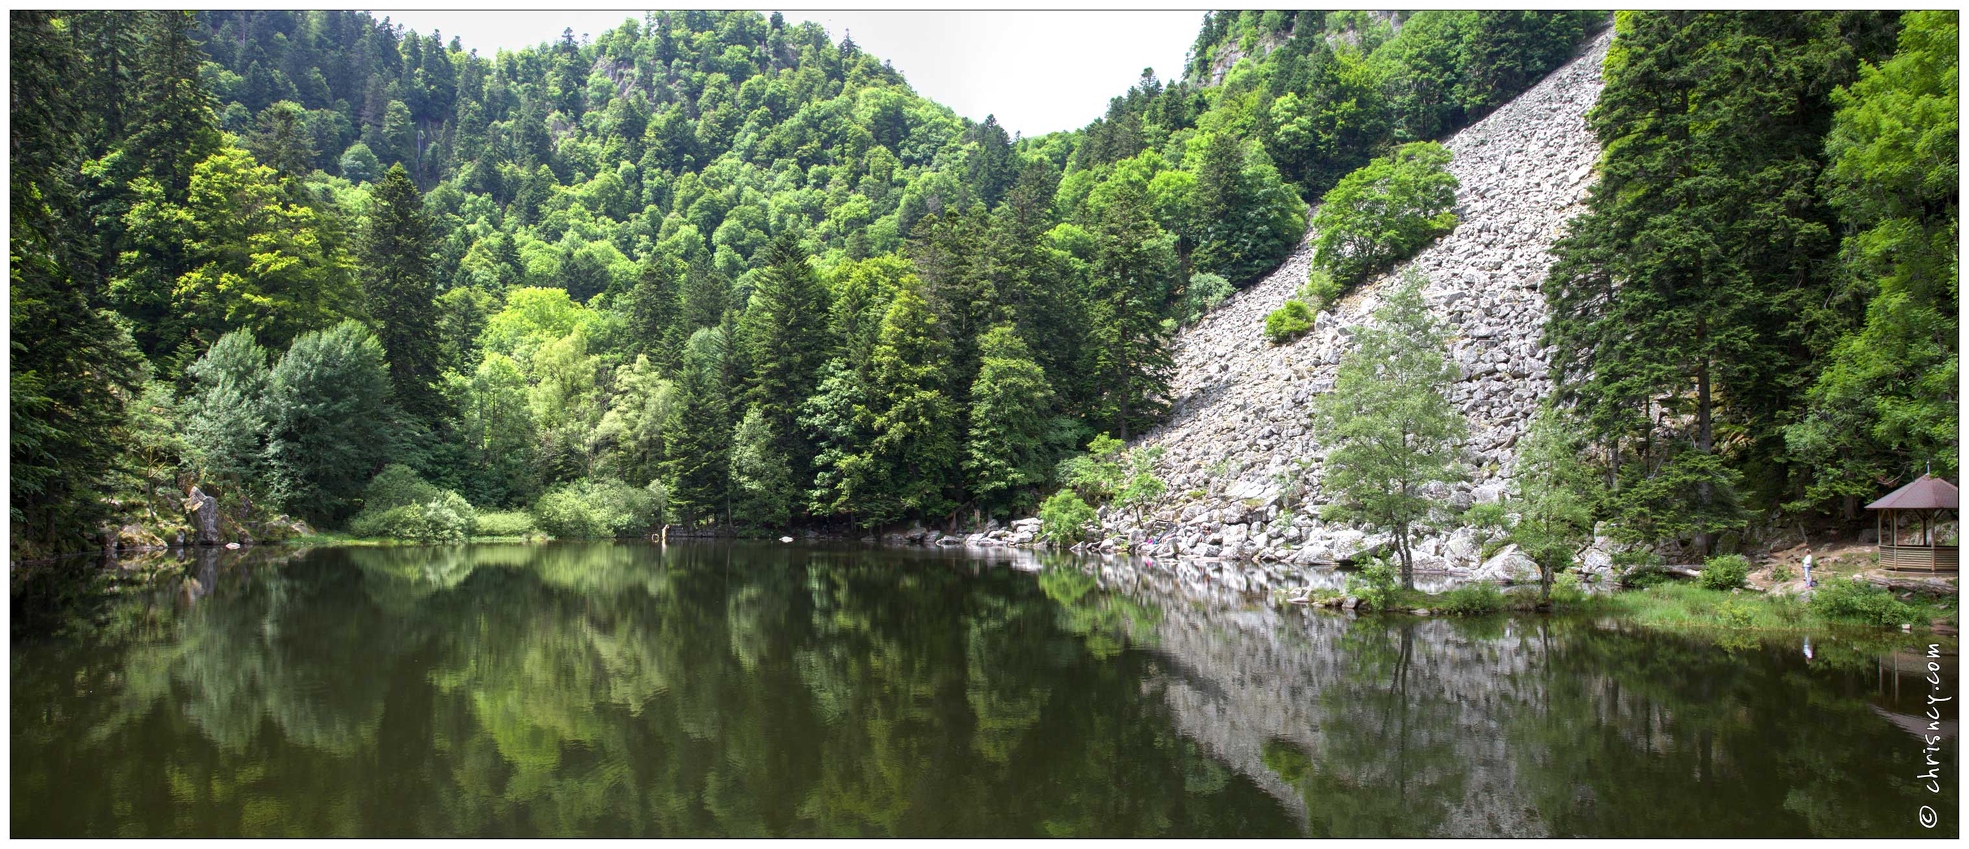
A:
{"x": 1705, "y": 442}
{"x": 1122, "y": 425}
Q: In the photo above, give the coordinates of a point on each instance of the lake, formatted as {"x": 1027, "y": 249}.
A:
{"x": 753, "y": 689}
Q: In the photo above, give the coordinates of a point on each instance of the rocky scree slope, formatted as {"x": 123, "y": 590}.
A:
{"x": 1242, "y": 465}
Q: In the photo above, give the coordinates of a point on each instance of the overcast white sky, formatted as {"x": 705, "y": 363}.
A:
{"x": 1037, "y": 71}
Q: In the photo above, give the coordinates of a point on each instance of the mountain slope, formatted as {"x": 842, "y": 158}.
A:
{"x": 1239, "y": 432}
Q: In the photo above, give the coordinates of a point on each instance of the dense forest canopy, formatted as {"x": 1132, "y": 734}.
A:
{"x": 718, "y": 268}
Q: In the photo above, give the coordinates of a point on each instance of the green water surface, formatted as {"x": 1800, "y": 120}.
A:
{"x": 765, "y": 689}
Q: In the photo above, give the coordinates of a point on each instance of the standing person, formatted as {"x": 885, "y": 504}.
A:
{"x": 1809, "y": 583}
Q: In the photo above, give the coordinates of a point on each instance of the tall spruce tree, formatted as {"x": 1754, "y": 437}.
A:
{"x": 1675, "y": 298}
{"x": 73, "y": 368}
{"x": 1006, "y": 453}
{"x": 397, "y": 250}
{"x": 655, "y": 310}
{"x": 1135, "y": 270}
{"x": 784, "y": 332}
{"x": 698, "y": 463}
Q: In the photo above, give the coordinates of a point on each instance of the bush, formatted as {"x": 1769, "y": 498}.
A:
{"x": 398, "y": 504}
{"x": 1321, "y": 290}
{"x": 448, "y": 517}
{"x": 1205, "y": 292}
{"x": 1853, "y": 600}
{"x": 1472, "y": 600}
{"x": 395, "y": 486}
{"x": 515, "y": 523}
{"x": 1064, "y": 518}
{"x": 1736, "y": 614}
{"x": 1566, "y": 589}
{"x": 1374, "y": 584}
{"x": 1780, "y": 573}
{"x": 1288, "y": 322}
{"x": 595, "y": 509}
{"x": 1724, "y": 572}
{"x": 1384, "y": 212}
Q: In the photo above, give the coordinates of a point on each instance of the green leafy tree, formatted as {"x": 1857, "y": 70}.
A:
{"x": 1097, "y": 474}
{"x": 1388, "y": 426}
{"x": 359, "y": 164}
{"x": 1385, "y": 212}
{"x": 1064, "y": 518}
{"x": 1142, "y": 486}
{"x": 225, "y": 416}
{"x": 252, "y": 258}
{"x": 496, "y": 426}
{"x": 329, "y": 416}
{"x": 842, "y": 423}
{"x": 1885, "y": 405}
{"x": 762, "y": 484}
{"x": 914, "y": 441}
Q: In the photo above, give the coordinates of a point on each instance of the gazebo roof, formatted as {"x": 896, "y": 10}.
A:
{"x": 1926, "y": 493}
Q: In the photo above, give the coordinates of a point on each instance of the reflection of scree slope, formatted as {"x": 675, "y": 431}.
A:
{"x": 1240, "y": 413}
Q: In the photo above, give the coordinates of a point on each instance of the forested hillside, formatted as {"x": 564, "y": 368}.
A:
{"x": 717, "y": 269}
{"x": 1758, "y": 310}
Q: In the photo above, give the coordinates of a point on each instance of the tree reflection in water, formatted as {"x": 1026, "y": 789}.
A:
{"x": 740, "y": 689}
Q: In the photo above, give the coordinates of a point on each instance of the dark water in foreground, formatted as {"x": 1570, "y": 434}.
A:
{"x": 771, "y": 690}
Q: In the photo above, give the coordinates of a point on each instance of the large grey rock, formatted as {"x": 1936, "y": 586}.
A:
{"x": 1509, "y": 566}
{"x": 202, "y": 511}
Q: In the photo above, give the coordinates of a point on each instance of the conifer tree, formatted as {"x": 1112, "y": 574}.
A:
{"x": 1676, "y": 299}
{"x": 1134, "y": 271}
{"x": 655, "y": 309}
{"x": 1006, "y": 453}
{"x": 698, "y": 465}
{"x": 914, "y": 445}
{"x": 784, "y": 333}
{"x": 401, "y": 291}
{"x": 73, "y": 368}
{"x": 1388, "y": 426}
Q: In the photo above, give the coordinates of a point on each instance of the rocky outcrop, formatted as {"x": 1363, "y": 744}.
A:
{"x": 1241, "y": 462}
{"x": 202, "y": 511}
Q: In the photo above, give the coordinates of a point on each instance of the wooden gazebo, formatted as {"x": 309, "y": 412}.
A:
{"x": 1929, "y": 501}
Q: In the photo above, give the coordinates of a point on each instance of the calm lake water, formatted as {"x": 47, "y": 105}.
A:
{"x": 761, "y": 689}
